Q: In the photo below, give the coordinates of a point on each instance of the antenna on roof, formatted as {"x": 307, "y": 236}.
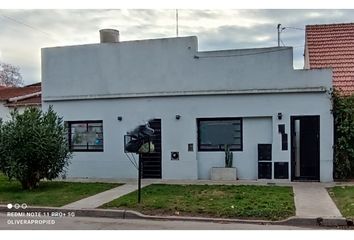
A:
{"x": 278, "y": 27}
{"x": 177, "y": 22}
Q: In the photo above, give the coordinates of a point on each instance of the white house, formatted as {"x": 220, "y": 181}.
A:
{"x": 278, "y": 120}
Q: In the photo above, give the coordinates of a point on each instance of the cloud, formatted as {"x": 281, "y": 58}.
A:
{"x": 25, "y": 32}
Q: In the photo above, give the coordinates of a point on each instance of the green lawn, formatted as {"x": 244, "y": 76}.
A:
{"x": 251, "y": 202}
{"x": 343, "y": 196}
{"x": 54, "y": 194}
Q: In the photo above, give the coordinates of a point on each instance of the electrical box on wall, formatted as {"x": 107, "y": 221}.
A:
{"x": 284, "y": 137}
{"x": 264, "y": 170}
{"x": 284, "y": 142}
{"x": 281, "y": 170}
{"x": 190, "y": 147}
{"x": 174, "y": 155}
{"x": 264, "y": 161}
{"x": 264, "y": 152}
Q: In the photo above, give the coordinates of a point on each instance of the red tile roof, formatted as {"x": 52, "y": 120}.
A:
{"x": 21, "y": 96}
{"x": 35, "y": 84}
{"x": 10, "y": 92}
{"x": 31, "y": 101}
{"x": 332, "y": 46}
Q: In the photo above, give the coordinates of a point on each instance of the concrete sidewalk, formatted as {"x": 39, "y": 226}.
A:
{"x": 313, "y": 200}
{"x": 103, "y": 197}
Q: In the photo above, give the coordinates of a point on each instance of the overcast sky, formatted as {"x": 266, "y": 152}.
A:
{"x": 24, "y": 32}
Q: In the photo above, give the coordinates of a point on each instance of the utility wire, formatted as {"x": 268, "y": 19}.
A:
{"x": 282, "y": 42}
{"x": 295, "y": 28}
{"x": 288, "y": 27}
{"x": 27, "y": 25}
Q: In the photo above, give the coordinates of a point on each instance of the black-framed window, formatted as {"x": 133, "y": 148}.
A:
{"x": 85, "y": 136}
{"x": 215, "y": 133}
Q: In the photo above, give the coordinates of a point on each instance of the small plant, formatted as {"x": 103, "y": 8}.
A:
{"x": 228, "y": 156}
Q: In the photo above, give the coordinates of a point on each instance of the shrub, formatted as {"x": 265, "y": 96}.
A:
{"x": 343, "y": 113}
{"x": 33, "y": 146}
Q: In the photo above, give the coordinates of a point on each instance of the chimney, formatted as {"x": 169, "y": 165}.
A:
{"x": 109, "y": 36}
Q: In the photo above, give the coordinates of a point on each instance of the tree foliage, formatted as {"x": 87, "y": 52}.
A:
{"x": 343, "y": 112}
{"x": 10, "y": 75}
{"x": 33, "y": 146}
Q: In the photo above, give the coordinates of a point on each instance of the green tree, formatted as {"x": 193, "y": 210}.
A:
{"x": 33, "y": 146}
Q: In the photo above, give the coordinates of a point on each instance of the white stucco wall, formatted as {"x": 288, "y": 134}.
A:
{"x": 140, "y": 80}
{"x": 164, "y": 66}
{"x": 5, "y": 111}
{"x": 255, "y": 130}
{"x": 259, "y": 126}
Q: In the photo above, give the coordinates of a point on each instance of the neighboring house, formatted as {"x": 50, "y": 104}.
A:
{"x": 199, "y": 101}
{"x": 332, "y": 46}
{"x": 19, "y": 98}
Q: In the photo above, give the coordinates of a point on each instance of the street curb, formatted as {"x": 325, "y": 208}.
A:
{"x": 129, "y": 214}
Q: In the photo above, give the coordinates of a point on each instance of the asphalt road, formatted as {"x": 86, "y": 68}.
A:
{"x": 90, "y": 223}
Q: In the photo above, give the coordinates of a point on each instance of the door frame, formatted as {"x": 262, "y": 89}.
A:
{"x": 292, "y": 148}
